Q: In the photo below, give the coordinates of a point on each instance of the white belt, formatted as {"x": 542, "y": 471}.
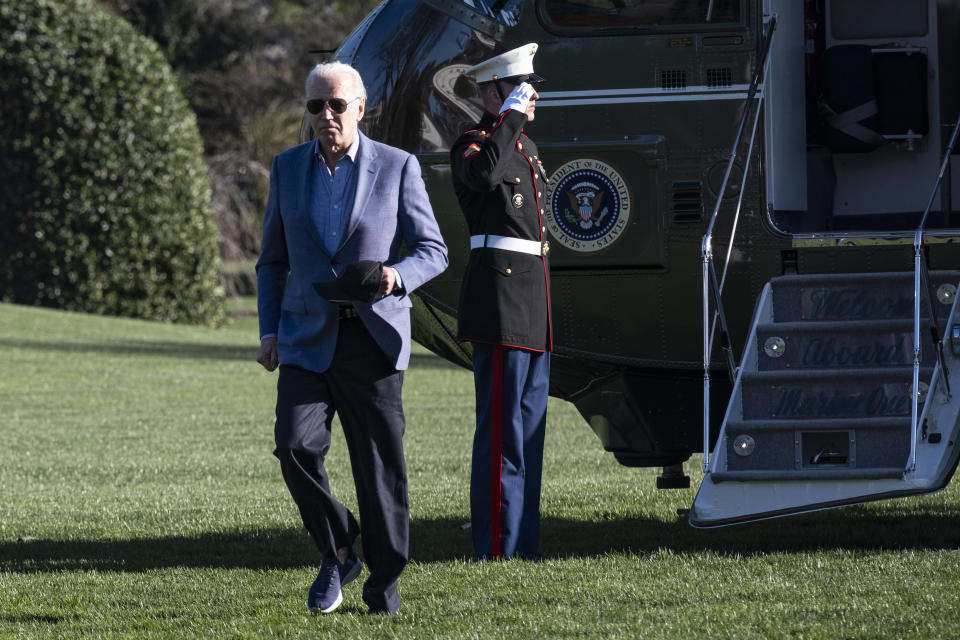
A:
{"x": 532, "y": 247}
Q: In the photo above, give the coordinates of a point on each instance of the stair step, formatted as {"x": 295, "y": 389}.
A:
{"x": 826, "y": 424}
{"x": 825, "y": 345}
{"x": 862, "y": 296}
{"x": 840, "y": 375}
{"x": 807, "y": 475}
{"x": 832, "y": 393}
{"x": 796, "y": 445}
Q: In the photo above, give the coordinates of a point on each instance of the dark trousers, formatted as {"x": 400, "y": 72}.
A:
{"x": 361, "y": 386}
{"x": 512, "y": 387}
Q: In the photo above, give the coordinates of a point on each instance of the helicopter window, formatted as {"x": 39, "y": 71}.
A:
{"x": 853, "y": 19}
{"x": 506, "y": 12}
{"x": 647, "y": 13}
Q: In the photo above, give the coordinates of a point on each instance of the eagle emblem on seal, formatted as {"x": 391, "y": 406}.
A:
{"x": 586, "y": 199}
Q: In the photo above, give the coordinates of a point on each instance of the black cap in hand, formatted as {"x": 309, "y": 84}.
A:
{"x": 359, "y": 281}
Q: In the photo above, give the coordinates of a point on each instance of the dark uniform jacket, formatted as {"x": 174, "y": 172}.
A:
{"x": 500, "y": 183}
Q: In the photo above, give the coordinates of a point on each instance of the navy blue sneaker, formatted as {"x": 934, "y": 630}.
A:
{"x": 326, "y": 593}
{"x": 350, "y": 569}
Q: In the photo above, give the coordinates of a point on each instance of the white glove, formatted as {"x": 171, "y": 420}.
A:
{"x": 519, "y": 98}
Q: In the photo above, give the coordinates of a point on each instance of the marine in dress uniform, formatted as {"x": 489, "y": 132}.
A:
{"x": 504, "y": 308}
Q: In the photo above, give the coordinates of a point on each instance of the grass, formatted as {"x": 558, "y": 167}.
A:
{"x": 135, "y": 463}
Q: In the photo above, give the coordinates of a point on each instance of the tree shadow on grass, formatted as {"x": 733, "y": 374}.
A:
{"x": 183, "y": 350}
{"x": 171, "y": 349}
{"x": 262, "y": 549}
{"x": 853, "y": 528}
{"x": 444, "y": 540}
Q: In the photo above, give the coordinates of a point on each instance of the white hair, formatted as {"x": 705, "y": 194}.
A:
{"x": 329, "y": 70}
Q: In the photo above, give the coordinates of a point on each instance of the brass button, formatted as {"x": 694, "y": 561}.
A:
{"x": 541, "y": 211}
{"x": 539, "y": 194}
{"x": 543, "y": 229}
{"x": 517, "y": 179}
{"x": 509, "y": 271}
{"x": 519, "y": 146}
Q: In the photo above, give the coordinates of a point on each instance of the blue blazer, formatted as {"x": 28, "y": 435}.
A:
{"x": 391, "y": 209}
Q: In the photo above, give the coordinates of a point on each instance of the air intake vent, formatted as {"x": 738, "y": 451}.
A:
{"x": 686, "y": 203}
{"x": 719, "y": 77}
{"x": 673, "y": 79}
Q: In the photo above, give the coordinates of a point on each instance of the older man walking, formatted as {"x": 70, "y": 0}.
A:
{"x": 333, "y": 298}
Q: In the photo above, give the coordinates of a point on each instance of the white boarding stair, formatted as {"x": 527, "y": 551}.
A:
{"x": 820, "y": 414}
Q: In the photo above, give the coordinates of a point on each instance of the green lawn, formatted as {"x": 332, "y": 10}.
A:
{"x": 136, "y": 463}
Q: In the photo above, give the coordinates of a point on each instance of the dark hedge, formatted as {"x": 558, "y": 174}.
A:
{"x": 104, "y": 203}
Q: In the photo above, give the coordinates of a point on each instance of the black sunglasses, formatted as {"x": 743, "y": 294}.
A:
{"x": 337, "y": 105}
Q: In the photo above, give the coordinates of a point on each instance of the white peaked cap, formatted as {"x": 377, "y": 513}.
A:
{"x": 516, "y": 64}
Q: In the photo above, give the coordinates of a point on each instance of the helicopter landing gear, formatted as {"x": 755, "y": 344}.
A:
{"x": 673, "y": 477}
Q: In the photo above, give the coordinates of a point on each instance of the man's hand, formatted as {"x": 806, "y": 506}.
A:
{"x": 388, "y": 280}
{"x": 268, "y": 354}
{"x": 519, "y": 98}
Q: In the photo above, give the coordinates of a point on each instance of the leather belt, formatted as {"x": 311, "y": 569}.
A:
{"x": 347, "y": 312}
{"x": 532, "y": 247}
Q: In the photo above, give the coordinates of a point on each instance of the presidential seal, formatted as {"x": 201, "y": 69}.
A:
{"x": 588, "y": 205}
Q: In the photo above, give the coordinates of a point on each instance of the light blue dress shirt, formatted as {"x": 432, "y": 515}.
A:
{"x": 332, "y": 196}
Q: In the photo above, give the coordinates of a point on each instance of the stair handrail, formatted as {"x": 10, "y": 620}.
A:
{"x": 920, "y": 273}
{"x": 709, "y": 274}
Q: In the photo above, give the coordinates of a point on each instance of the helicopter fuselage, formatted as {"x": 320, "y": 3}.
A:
{"x": 635, "y": 124}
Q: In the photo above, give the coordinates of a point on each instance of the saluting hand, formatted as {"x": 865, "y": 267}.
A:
{"x": 519, "y": 98}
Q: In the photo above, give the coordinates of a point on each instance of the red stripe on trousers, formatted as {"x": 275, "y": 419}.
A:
{"x": 496, "y": 453}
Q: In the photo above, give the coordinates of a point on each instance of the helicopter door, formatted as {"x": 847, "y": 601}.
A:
{"x": 861, "y": 80}
{"x": 884, "y": 161}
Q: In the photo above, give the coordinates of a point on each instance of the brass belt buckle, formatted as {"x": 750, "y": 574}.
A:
{"x": 545, "y": 248}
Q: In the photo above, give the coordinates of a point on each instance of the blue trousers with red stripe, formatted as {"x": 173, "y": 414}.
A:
{"x": 512, "y": 387}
